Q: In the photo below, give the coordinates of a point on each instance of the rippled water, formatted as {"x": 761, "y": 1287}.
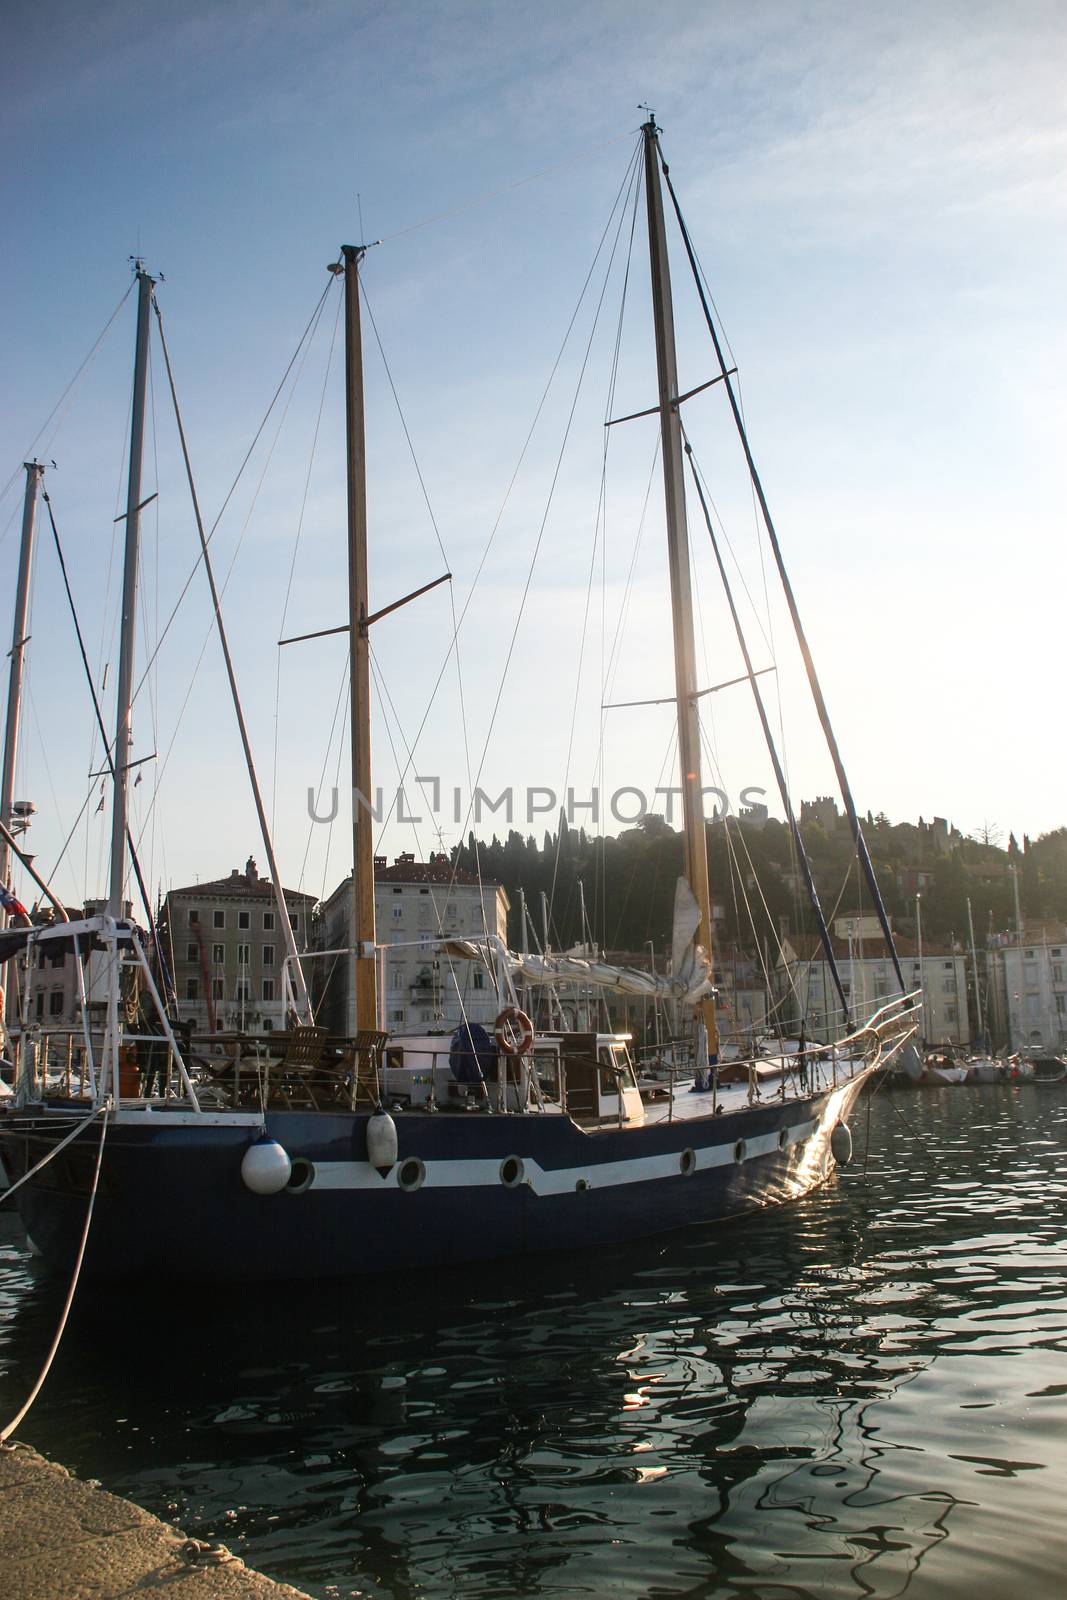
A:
{"x": 863, "y": 1394}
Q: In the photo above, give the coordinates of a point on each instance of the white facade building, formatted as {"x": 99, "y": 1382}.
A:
{"x": 806, "y": 989}
{"x": 1027, "y": 983}
{"x": 415, "y": 903}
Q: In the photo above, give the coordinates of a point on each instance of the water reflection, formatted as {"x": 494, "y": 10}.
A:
{"x": 862, "y": 1394}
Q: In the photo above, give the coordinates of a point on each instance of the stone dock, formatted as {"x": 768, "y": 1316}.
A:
{"x": 62, "y": 1539}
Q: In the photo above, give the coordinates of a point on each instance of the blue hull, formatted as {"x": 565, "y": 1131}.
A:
{"x": 172, "y": 1199}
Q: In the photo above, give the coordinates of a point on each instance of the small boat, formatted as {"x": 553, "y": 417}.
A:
{"x": 1047, "y": 1069}
{"x": 939, "y": 1070}
{"x": 323, "y": 1158}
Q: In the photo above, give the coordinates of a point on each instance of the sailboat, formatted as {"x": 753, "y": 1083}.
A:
{"x": 535, "y": 1143}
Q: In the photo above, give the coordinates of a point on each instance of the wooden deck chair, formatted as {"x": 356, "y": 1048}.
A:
{"x": 362, "y": 1067}
{"x": 296, "y": 1071}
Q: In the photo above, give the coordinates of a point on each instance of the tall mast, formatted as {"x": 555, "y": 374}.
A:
{"x": 977, "y": 986}
{"x": 34, "y": 474}
{"x": 362, "y": 908}
{"x": 128, "y": 639}
{"x": 696, "y": 852}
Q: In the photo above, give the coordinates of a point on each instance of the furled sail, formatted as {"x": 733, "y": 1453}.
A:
{"x": 688, "y": 982}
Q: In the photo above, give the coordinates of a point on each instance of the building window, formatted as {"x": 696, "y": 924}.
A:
{"x": 40, "y": 1004}
{"x": 218, "y": 954}
{"x": 1057, "y": 972}
{"x": 216, "y": 989}
{"x": 192, "y": 988}
{"x": 397, "y": 891}
{"x": 268, "y": 988}
{"x": 950, "y": 1013}
{"x": 244, "y": 919}
{"x": 244, "y": 992}
{"x": 55, "y": 1002}
{"x": 424, "y": 891}
{"x": 191, "y": 952}
{"x": 479, "y": 978}
{"x": 268, "y": 955}
{"x": 396, "y": 978}
{"x": 294, "y": 920}
{"x": 268, "y": 922}
{"x": 243, "y": 954}
{"x": 398, "y": 1014}
{"x": 194, "y": 917}
{"x": 218, "y": 919}
{"x": 1061, "y": 1003}
{"x": 398, "y": 912}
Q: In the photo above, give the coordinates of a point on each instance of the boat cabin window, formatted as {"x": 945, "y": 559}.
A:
{"x": 616, "y": 1069}
{"x": 546, "y": 1069}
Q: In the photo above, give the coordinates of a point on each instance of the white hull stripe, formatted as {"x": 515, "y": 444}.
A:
{"x": 468, "y": 1174}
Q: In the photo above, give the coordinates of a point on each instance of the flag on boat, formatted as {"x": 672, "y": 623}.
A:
{"x": 10, "y": 901}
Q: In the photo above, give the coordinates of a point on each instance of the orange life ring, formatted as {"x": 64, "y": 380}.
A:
{"x": 511, "y": 1021}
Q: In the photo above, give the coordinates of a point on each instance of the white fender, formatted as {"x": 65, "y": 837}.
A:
{"x": 382, "y": 1144}
{"x": 265, "y": 1167}
{"x": 841, "y": 1144}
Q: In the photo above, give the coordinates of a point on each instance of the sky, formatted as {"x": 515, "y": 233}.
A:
{"x": 877, "y": 199}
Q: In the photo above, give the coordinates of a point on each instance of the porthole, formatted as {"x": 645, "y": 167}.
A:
{"x": 687, "y": 1162}
{"x": 582, "y": 1185}
{"x": 740, "y": 1151}
{"x": 783, "y": 1139}
{"x": 301, "y": 1177}
{"x": 512, "y": 1171}
{"x": 412, "y": 1174}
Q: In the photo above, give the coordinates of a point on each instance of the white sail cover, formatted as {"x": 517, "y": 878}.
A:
{"x": 688, "y": 982}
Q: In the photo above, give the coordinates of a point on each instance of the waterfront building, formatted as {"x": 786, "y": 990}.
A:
{"x": 415, "y": 903}
{"x": 805, "y": 988}
{"x": 1027, "y": 982}
{"x": 226, "y": 951}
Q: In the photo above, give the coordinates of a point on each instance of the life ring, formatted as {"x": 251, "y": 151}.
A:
{"x": 510, "y": 1022}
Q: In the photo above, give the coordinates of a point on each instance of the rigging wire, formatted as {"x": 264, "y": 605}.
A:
{"x": 296, "y": 552}
{"x": 451, "y": 592}
{"x": 309, "y": 329}
{"x": 491, "y": 539}
{"x": 101, "y": 336}
{"x": 437, "y": 910}
{"x": 555, "y": 476}
{"x": 761, "y": 710}
{"x": 798, "y": 627}
{"x": 602, "y": 491}
{"x": 237, "y": 549}
{"x": 134, "y": 860}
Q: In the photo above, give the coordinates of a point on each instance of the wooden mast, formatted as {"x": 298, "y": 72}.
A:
{"x": 696, "y": 852}
{"x": 362, "y": 906}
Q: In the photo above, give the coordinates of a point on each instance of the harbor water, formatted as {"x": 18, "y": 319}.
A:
{"x": 861, "y": 1394}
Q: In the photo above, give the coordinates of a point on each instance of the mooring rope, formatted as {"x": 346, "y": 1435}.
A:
{"x": 46, "y": 1369}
